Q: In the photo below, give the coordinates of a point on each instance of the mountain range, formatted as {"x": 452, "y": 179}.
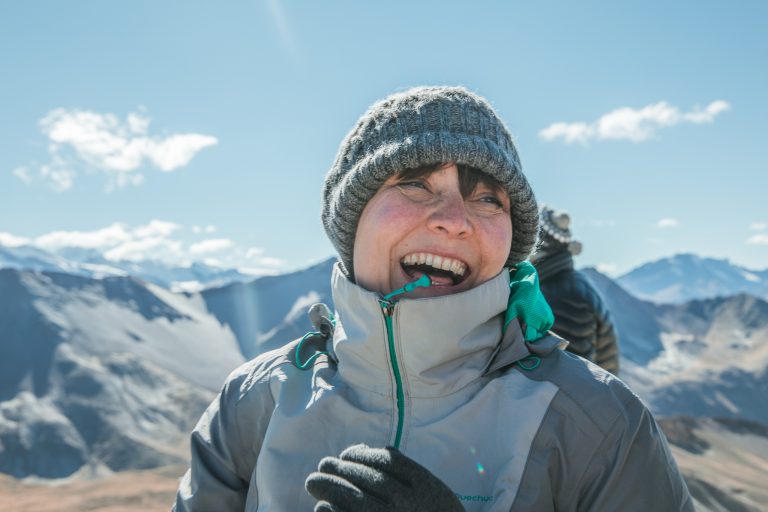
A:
{"x": 672, "y": 280}
{"x": 193, "y": 276}
{"x": 687, "y": 277}
{"x": 102, "y": 372}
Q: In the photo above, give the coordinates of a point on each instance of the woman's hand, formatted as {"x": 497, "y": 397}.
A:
{"x": 378, "y": 480}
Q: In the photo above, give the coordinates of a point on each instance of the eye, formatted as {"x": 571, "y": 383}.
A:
{"x": 492, "y": 200}
{"x": 413, "y": 184}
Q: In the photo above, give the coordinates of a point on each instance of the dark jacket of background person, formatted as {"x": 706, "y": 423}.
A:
{"x": 581, "y": 315}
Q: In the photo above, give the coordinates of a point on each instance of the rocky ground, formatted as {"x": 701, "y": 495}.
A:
{"x": 127, "y": 491}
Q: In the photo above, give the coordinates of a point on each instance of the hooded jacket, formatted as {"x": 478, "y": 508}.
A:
{"x": 506, "y": 424}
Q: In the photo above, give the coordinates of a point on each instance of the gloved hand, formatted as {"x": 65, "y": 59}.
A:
{"x": 378, "y": 480}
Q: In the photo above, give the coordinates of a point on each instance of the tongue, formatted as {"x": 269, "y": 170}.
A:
{"x": 440, "y": 280}
{"x": 437, "y": 279}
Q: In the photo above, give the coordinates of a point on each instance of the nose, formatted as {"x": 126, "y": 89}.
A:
{"x": 450, "y": 217}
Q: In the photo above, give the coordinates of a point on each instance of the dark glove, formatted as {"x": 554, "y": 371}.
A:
{"x": 378, "y": 480}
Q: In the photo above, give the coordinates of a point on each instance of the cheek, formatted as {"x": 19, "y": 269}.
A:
{"x": 497, "y": 243}
{"x": 383, "y": 225}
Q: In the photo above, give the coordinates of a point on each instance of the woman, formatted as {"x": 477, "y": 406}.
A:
{"x": 435, "y": 386}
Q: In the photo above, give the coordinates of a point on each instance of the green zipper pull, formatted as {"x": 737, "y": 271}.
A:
{"x": 388, "y": 307}
{"x": 421, "y": 282}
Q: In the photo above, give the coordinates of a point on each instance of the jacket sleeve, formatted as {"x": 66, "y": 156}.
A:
{"x": 222, "y": 457}
{"x": 633, "y": 468}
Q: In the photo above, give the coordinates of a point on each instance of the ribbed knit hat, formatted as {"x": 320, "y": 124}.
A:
{"x": 422, "y": 126}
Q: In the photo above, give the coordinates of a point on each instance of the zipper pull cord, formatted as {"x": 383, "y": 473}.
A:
{"x": 422, "y": 282}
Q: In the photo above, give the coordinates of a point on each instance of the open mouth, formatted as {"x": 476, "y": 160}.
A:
{"x": 441, "y": 270}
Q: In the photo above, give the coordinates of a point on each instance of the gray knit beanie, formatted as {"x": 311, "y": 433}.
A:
{"x": 422, "y": 126}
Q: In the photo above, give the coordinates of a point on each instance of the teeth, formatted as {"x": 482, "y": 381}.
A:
{"x": 439, "y": 262}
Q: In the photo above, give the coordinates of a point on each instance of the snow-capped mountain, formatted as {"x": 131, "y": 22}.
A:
{"x": 111, "y": 373}
{"x": 687, "y": 276}
{"x": 91, "y": 263}
{"x": 708, "y": 358}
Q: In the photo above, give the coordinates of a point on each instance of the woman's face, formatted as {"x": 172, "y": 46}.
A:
{"x": 425, "y": 225}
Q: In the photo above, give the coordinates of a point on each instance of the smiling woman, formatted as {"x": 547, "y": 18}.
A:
{"x": 435, "y": 385}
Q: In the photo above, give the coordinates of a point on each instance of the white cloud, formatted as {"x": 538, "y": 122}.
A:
{"x": 213, "y": 262}
{"x": 667, "y": 223}
{"x": 153, "y": 248}
{"x": 81, "y": 139}
{"x": 102, "y": 238}
{"x": 156, "y": 228}
{"x": 759, "y": 239}
{"x": 758, "y": 226}
{"x": 10, "y": 240}
{"x": 56, "y": 173}
{"x": 177, "y": 150}
{"x": 627, "y": 123}
{"x": 609, "y": 269}
{"x": 570, "y": 132}
{"x": 155, "y": 240}
{"x": 271, "y": 262}
{"x": 210, "y": 245}
{"x": 254, "y": 252}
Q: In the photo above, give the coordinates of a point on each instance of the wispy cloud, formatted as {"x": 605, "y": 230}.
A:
{"x": 83, "y": 140}
{"x": 271, "y": 262}
{"x": 141, "y": 249}
{"x": 157, "y": 240}
{"x": 758, "y": 226}
{"x": 109, "y": 236}
{"x": 10, "y": 240}
{"x": 627, "y": 123}
{"x": 667, "y": 223}
{"x": 283, "y": 28}
{"x": 759, "y": 239}
{"x": 211, "y": 245}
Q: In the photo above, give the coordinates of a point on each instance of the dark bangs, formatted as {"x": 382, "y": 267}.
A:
{"x": 469, "y": 177}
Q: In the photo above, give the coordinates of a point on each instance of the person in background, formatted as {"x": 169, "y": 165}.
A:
{"x": 435, "y": 386}
{"x": 581, "y": 315}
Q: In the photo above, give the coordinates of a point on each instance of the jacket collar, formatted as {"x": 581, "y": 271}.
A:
{"x": 441, "y": 343}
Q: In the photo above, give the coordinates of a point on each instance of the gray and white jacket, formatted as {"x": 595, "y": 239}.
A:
{"x": 508, "y": 425}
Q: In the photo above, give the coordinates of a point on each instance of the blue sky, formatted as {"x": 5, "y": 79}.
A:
{"x": 201, "y": 130}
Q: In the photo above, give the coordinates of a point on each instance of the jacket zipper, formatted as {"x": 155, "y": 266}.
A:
{"x": 388, "y": 308}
